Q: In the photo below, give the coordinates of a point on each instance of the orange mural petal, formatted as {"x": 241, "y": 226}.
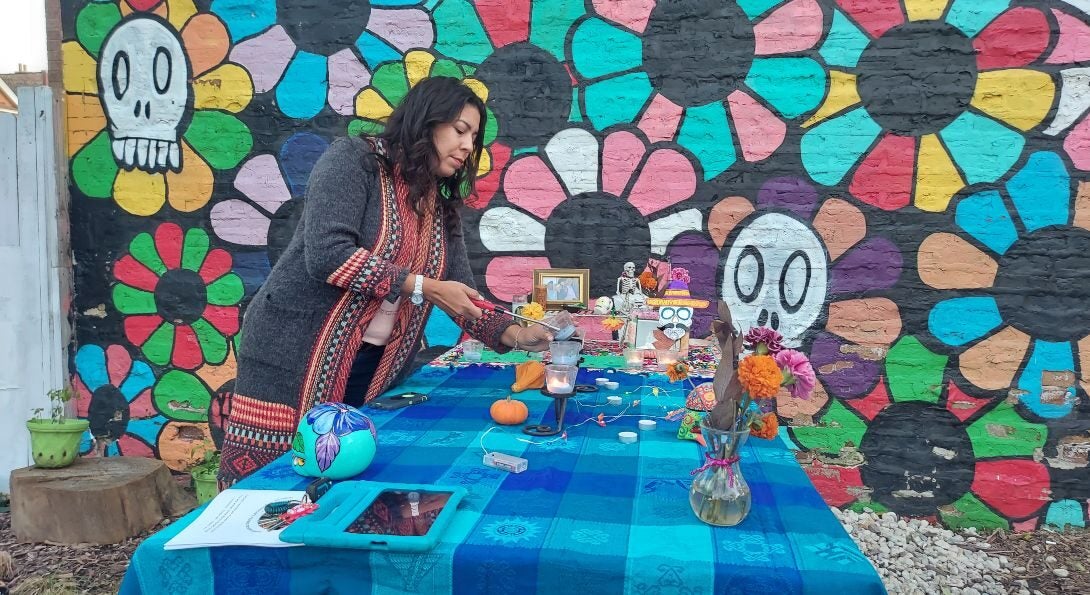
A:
{"x": 1082, "y": 206}
{"x": 946, "y": 261}
{"x": 801, "y": 411}
{"x": 725, "y": 217}
{"x": 206, "y": 41}
{"x": 190, "y": 189}
{"x": 992, "y": 363}
{"x": 217, "y": 376}
{"x": 85, "y": 120}
{"x": 1084, "y": 363}
{"x": 869, "y": 322}
{"x": 841, "y": 225}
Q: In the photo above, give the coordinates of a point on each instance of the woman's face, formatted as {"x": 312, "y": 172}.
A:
{"x": 454, "y": 140}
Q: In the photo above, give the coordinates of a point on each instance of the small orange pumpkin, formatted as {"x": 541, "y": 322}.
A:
{"x": 529, "y": 374}
{"x": 509, "y": 412}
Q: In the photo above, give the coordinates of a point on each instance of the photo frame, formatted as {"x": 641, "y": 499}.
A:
{"x": 563, "y": 287}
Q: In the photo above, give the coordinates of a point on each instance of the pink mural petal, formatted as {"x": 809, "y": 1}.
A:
{"x": 661, "y": 119}
{"x": 259, "y": 179}
{"x": 405, "y": 29}
{"x": 633, "y": 14}
{"x": 666, "y": 179}
{"x": 239, "y": 222}
{"x": 131, "y": 447}
{"x": 265, "y": 57}
{"x": 793, "y": 27}
{"x": 347, "y": 75}
{"x": 1077, "y": 144}
{"x": 83, "y": 396}
{"x": 118, "y": 364}
{"x": 508, "y": 276}
{"x": 142, "y": 407}
{"x": 759, "y": 130}
{"x": 530, "y": 184}
{"x": 620, "y": 157}
{"x": 1073, "y": 44}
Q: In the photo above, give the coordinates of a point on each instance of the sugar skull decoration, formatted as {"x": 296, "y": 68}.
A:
{"x": 334, "y": 440}
{"x": 143, "y": 81}
{"x": 700, "y": 401}
{"x": 675, "y": 311}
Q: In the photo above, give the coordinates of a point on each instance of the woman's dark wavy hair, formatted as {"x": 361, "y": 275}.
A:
{"x": 408, "y": 135}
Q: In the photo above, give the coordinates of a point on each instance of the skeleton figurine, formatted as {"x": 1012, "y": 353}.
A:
{"x": 628, "y": 290}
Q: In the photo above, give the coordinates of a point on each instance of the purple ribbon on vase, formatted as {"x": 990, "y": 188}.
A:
{"x": 717, "y": 462}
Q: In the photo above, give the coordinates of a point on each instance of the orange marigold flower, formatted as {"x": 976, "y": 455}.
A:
{"x": 760, "y": 376}
{"x": 612, "y": 323}
{"x": 766, "y": 427}
{"x": 677, "y": 371}
{"x": 647, "y": 279}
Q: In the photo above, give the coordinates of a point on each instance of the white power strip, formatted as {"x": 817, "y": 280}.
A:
{"x": 506, "y": 462}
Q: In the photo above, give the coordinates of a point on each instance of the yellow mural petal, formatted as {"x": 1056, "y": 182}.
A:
{"x": 418, "y": 66}
{"x": 190, "y": 189}
{"x": 992, "y": 363}
{"x": 371, "y": 105}
{"x": 85, "y": 119}
{"x": 180, "y": 11}
{"x": 842, "y": 94}
{"x": 80, "y": 72}
{"x": 228, "y": 87}
{"x": 946, "y": 261}
{"x": 925, "y": 10}
{"x": 1018, "y": 97}
{"x": 937, "y": 180}
{"x": 485, "y": 165}
{"x": 478, "y": 88}
{"x": 139, "y": 192}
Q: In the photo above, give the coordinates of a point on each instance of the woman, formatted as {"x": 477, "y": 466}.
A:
{"x": 379, "y": 243}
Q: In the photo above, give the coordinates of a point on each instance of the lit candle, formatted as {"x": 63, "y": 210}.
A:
{"x": 633, "y": 358}
{"x": 559, "y": 386}
{"x": 667, "y": 357}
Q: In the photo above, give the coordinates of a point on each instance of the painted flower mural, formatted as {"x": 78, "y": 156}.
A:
{"x": 585, "y": 202}
{"x": 970, "y": 462}
{"x": 273, "y": 188}
{"x": 1032, "y": 228}
{"x": 927, "y": 104}
{"x": 313, "y": 58}
{"x": 151, "y": 104}
{"x": 113, "y": 392}
{"x": 751, "y": 73}
{"x": 1071, "y": 49}
{"x": 179, "y": 299}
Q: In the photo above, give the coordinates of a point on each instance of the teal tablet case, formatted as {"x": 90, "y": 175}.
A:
{"x": 345, "y": 502}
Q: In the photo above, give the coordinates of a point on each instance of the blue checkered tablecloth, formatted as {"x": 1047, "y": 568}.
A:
{"x": 590, "y": 515}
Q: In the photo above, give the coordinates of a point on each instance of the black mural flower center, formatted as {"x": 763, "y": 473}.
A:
{"x": 918, "y": 458}
{"x": 1043, "y": 284}
{"x": 918, "y": 77}
{"x": 599, "y": 232}
{"x": 108, "y": 414}
{"x": 181, "y": 296}
{"x": 529, "y": 92}
{"x": 697, "y": 51}
{"x": 325, "y": 28}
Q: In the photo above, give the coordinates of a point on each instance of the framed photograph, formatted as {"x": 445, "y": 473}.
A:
{"x": 563, "y": 287}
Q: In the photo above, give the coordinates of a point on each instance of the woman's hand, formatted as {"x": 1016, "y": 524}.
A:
{"x": 532, "y": 338}
{"x": 453, "y": 298}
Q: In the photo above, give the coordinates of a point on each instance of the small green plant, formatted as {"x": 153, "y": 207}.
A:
{"x": 209, "y": 464}
{"x": 58, "y": 399}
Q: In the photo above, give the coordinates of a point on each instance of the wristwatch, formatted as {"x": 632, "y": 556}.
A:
{"x": 418, "y": 291}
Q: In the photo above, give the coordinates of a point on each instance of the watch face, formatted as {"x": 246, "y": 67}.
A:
{"x": 417, "y": 299}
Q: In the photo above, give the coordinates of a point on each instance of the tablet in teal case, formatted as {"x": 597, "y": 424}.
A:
{"x": 382, "y": 516}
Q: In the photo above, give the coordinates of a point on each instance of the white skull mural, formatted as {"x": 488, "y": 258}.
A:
{"x": 143, "y": 80}
{"x": 675, "y": 321}
{"x": 775, "y": 274}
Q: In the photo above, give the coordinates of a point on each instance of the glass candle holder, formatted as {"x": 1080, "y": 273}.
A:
{"x": 560, "y": 379}
{"x": 472, "y": 350}
{"x": 565, "y": 353}
{"x": 667, "y": 357}
{"x": 633, "y": 358}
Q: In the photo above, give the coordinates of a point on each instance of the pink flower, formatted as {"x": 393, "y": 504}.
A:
{"x": 798, "y": 373}
{"x": 680, "y": 274}
{"x": 772, "y": 340}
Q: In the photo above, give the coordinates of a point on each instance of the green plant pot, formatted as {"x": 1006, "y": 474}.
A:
{"x": 55, "y": 445}
{"x": 205, "y": 485}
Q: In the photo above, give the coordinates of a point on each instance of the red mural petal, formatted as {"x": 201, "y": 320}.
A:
{"x": 132, "y": 447}
{"x": 1016, "y": 488}
{"x": 139, "y": 328}
{"x": 962, "y": 405}
{"x": 870, "y": 405}
{"x": 884, "y": 179}
{"x": 876, "y": 16}
{"x": 1016, "y": 38}
{"x": 142, "y": 407}
{"x": 130, "y": 272}
{"x": 83, "y": 396}
{"x": 486, "y": 186}
{"x": 835, "y": 483}
{"x": 216, "y": 264}
{"x": 506, "y": 21}
{"x": 187, "y": 351}
{"x": 118, "y": 364}
{"x": 168, "y": 243}
{"x": 223, "y": 318}
{"x": 143, "y": 5}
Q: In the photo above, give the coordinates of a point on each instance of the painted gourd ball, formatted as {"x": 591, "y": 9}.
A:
{"x": 334, "y": 440}
{"x": 701, "y": 398}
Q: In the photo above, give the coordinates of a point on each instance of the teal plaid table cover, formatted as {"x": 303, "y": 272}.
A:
{"x": 590, "y": 515}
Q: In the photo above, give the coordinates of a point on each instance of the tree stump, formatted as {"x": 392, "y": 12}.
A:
{"x": 95, "y": 500}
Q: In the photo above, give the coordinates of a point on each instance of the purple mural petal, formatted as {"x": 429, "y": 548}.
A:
{"x": 697, "y": 253}
{"x": 347, "y": 75}
{"x": 265, "y": 57}
{"x": 260, "y": 180}
{"x": 405, "y": 29}
{"x": 325, "y": 450}
{"x": 845, "y": 375}
{"x": 239, "y": 222}
{"x": 874, "y": 264}
{"x": 790, "y": 194}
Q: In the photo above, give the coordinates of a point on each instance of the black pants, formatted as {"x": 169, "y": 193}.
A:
{"x": 363, "y": 371}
